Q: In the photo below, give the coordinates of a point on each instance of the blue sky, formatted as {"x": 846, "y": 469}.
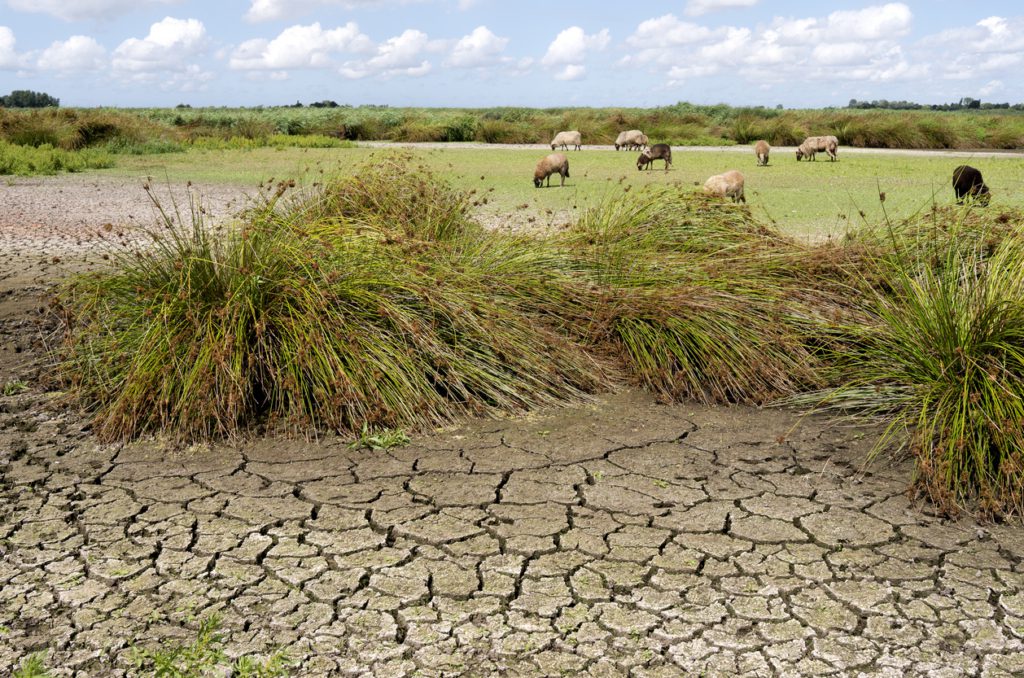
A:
{"x": 491, "y": 52}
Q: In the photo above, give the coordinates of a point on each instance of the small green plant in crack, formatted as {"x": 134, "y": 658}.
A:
{"x": 14, "y": 387}
{"x": 379, "y": 439}
{"x": 663, "y": 484}
{"x": 33, "y": 666}
{"x": 205, "y": 656}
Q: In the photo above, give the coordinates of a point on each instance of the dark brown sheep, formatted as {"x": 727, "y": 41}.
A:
{"x": 968, "y": 184}
{"x": 655, "y": 152}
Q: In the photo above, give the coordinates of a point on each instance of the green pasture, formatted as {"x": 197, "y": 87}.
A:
{"x": 802, "y": 198}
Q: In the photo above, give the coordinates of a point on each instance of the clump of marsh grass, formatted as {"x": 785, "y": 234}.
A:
{"x": 395, "y": 193}
{"x": 324, "y": 316}
{"x": 940, "y": 357}
{"x": 694, "y": 296}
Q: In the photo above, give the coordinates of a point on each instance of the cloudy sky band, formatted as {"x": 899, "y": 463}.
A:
{"x": 486, "y": 52}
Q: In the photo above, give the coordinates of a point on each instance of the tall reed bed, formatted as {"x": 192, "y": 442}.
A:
{"x": 155, "y": 130}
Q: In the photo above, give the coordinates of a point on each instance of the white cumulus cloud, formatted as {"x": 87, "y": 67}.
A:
{"x": 8, "y": 57}
{"x": 572, "y": 44}
{"x": 878, "y": 22}
{"x": 568, "y": 51}
{"x": 699, "y": 7}
{"x": 169, "y": 44}
{"x": 403, "y": 54}
{"x": 862, "y": 44}
{"x": 77, "y": 53}
{"x": 76, "y": 10}
{"x": 668, "y": 30}
{"x": 300, "y": 47}
{"x": 478, "y": 49}
{"x": 272, "y": 10}
{"x": 571, "y": 72}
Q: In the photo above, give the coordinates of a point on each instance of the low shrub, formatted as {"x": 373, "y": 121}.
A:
{"x": 31, "y": 160}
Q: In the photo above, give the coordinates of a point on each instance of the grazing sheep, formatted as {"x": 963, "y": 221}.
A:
{"x": 761, "y": 150}
{"x": 727, "y": 185}
{"x": 813, "y": 145}
{"x": 655, "y": 152}
{"x": 566, "y": 139}
{"x": 967, "y": 183}
{"x": 631, "y": 140}
{"x": 556, "y": 163}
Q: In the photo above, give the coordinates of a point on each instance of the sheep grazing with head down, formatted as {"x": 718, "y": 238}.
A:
{"x": 968, "y": 185}
{"x": 812, "y": 145}
{"x": 727, "y": 185}
{"x": 556, "y": 163}
{"x": 655, "y": 152}
{"x": 631, "y": 140}
{"x": 761, "y": 150}
{"x": 567, "y": 139}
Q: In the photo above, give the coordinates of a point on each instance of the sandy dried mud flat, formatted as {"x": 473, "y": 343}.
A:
{"x": 624, "y": 538}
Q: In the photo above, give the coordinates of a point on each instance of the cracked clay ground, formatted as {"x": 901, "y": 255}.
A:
{"x": 623, "y": 538}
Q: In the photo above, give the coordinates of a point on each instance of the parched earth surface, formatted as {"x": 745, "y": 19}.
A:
{"x": 621, "y": 538}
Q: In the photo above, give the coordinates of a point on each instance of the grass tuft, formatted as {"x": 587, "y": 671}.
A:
{"x": 942, "y": 361}
{"x": 205, "y": 656}
{"x": 317, "y": 313}
{"x": 382, "y": 439}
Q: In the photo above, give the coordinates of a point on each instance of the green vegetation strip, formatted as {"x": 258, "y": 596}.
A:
{"x": 158, "y": 131}
{"x": 373, "y": 302}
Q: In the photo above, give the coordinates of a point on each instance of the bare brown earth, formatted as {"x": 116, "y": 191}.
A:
{"x": 624, "y": 538}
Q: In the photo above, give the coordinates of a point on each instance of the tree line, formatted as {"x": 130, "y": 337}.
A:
{"x": 24, "y": 98}
{"x": 965, "y": 104}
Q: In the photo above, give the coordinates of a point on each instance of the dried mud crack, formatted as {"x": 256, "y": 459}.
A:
{"x": 627, "y": 538}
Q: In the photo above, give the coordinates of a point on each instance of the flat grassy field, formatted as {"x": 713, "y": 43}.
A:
{"x": 805, "y": 199}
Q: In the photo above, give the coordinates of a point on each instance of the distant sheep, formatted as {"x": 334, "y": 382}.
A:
{"x": 556, "y": 163}
{"x": 655, "y": 152}
{"x": 727, "y": 185}
{"x": 967, "y": 183}
{"x": 633, "y": 139}
{"x": 813, "y": 145}
{"x": 566, "y": 139}
{"x": 761, "y": 150}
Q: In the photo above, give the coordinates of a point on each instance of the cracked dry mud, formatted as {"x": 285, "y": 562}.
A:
{"x": 624, "y": 538}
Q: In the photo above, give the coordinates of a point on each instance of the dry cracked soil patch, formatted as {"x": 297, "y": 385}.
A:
{"x": 624, "y": 538}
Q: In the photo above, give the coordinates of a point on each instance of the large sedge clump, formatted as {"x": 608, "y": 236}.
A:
{"x": 941, "y": 360}
{"x": 694, "y": 296}
{"x": 320, "y": 312}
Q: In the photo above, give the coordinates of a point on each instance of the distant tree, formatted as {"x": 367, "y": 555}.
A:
{"x": 326, "y": 103}
{"x": 23, "y": 98}
{"x": 183, "y": 106}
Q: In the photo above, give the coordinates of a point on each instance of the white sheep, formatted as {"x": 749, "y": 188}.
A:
{"x": 556, "y": 163}
{"x": 761, "y": 150}
{"x": 726, "y": 185}
{"x": 812, "y": 145}
{"x": 633, "y": 139}
{"x": 566, "y": 139}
